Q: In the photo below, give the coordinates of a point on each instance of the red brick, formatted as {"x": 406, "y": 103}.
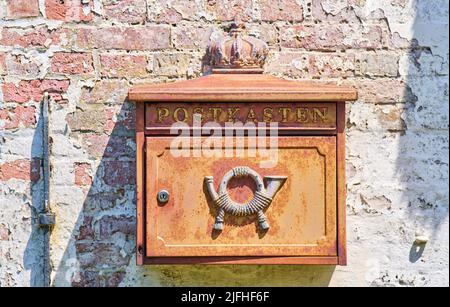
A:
{"x": 105, "y": 91}
{"x": 173, "y": 11}
{"x": 72, "y": 63}
{"x": 24, "y": 37}
{"x": 321, "y": 12}
{"x": 20, "y": 169}
{"x": 98, "y": 254}
{"x": 120, "y": 146}
{"x": 20, "y": 65}
{"x": 2, "y": 63}
{"x": 94, "y": 143}
{"x": 102, "y": 279}
{"x": 22, "y": 8}
{"x": 123, "y": 119}
{"x": 313, "y": 65}
{"x": 119, "y": 173}
{"x": 128, "y": 11}
{"x": 331, "y": 65}
{"x": 4, "y": 233}
{"x": 172, "y": 64}
{"x": 87, "y": 119}
{"x": 153, "y": 37}
{"x": 396, "y": 41}
{"x": 169, "y": 15}
{"x": 126, "y": 119}
{"x": 105, "y": 146}
{"x": 55, "y": 85}
{"x": 23, "y": 92}
{"x": 114, "y": 279}
{"x": 191, "y": 37}
{"x": 102, "y": 121}
{"x": 34, "y": 90}
{"x": 268, "y": 32}
{"x": 14, "y": 118}
{"x": 377, "y": 64}
{"x": 99, "y": 279}
{"x": 86, "y": 231}
{"x": 224, "y": 10}
{"x": 390, "y": 117}
{"x": 104, "y": 199}
{"x": 114, "y": 66}
{"x": 383, "y": 91}
{"x": 83, "y": 174}
{"x": 333, "y": 37}
{"x": 87, "y": 278}
{"x": 109, "y": 225}
{"x": 110, "y": 113}
{"x": 67, "y": 10}
{"x": 32, "y": 37}
{"x": 285, "y": 10}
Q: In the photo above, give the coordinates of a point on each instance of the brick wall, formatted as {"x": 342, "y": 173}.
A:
{"x": 87, "y": 53}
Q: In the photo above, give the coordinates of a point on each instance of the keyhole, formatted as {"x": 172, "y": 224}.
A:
{"x": 163, "y": 196}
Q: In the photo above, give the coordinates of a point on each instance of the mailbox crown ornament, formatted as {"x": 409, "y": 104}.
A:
{"x": 262, "y": 199}
{"x": 237, "y": 53}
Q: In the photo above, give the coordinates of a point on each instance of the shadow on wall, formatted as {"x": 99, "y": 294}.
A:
{"x": 405, "y": 156}
{"x": 36, "y": 251}
{"x": 422, "y": 163}
{"x": 102, "y": 246}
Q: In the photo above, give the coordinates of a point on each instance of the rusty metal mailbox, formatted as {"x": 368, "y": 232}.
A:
{"x": 240, "y": 167}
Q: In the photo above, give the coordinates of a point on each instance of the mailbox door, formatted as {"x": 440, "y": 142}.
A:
{"x": 302, "y": 215}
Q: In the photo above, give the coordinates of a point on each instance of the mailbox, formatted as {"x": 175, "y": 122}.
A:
{"x": 240, "y": 167}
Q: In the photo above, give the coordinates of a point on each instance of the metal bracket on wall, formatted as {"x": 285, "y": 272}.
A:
{"x": 46, "y": 217}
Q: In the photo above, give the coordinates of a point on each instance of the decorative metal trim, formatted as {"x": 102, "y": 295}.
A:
{"x": 262, "y": 198}
{"x": 237, "y": 51}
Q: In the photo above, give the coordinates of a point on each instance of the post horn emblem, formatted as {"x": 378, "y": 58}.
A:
{"x": 262, "y": 198}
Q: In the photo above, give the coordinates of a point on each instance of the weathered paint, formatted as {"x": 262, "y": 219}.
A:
{"x": 394, "y": 52}
{"x": 302, "y": 217}
{"x": 160, "y": 116}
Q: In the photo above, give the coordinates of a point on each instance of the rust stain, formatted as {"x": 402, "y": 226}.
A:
{"x": 299, "y": 215}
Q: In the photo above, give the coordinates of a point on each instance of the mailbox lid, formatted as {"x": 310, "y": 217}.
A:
{"x": 302, "y": 215}
{"x": 241, "y": 88}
